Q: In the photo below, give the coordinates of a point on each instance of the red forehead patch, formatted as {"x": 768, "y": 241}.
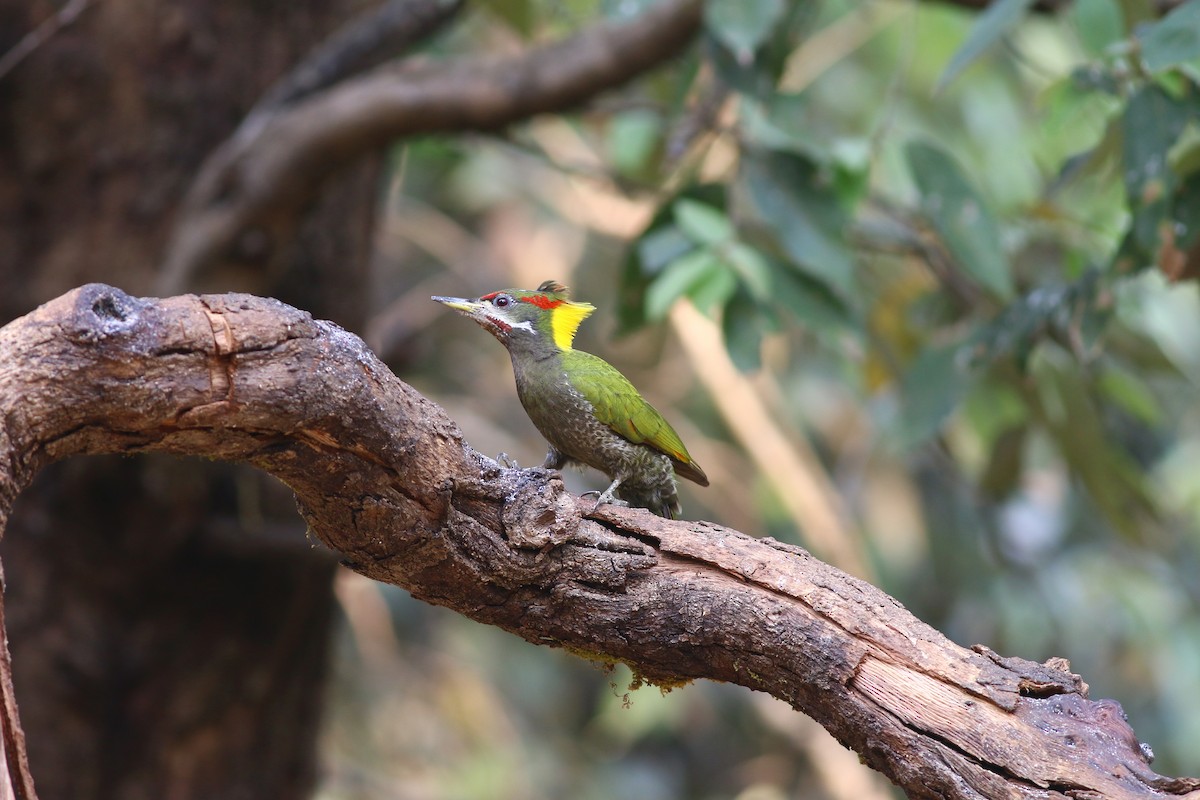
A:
{"x": 539, "y": 300}
{"x": 542, "y": 301}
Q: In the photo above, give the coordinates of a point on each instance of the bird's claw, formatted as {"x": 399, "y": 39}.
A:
{"x": 605, "y": 498}
{"x": 506, "y": 461}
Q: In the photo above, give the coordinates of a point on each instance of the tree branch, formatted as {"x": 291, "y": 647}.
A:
{"x": 16, "y": 781}
{"x": 50, "y": 26}
{"x": 377, "y": 34}
{"x": 310, "y": 125}
{"x": 264, "y": 176}
{"x": 384, "y": 477}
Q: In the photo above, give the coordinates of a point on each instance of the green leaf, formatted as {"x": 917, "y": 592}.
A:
{"x": 713, "y": 290}
{"x": 1186, "y": 213}
{"x": 1069, "y": 411}
{"x": 634, "y": 138}
{"x": 1097, "y": 23}
{"x": 1130, "y": 393}
{"x": 1095, "y": 162}
{"x": 744, "y": 78}
{"x": 780, "y": 121}
{"x": 937, "y": 381}
{"x": 517, "y": 13}
{"x": 1096, "y": 78}
{"x": 678, "y": 278}
{"x": 660, "y": 244}
{"x": 742, "y": 25}
{"x": 1070, "y": 311}
{"x": 1153, "y": 121}
{"x": 851, "y": 169}
{"x": 1185, "y": 155}
{"x": 702, "y": 223}
{"x": 1005, "y": 464}
{"x": 1150, "y": 126}
{"x": 1137, "y": 12}
{"x": 660, "y": 247}
{"x": 990, "y": 26}
{"x": 993, "y": 407}
{"x": 751, "y": 268}
{"x": 1173, "y": 39}
{"x": 624, "y": 9}
{"x": 960, "y": 217}
{"x": 744, "y": 325}
{"x": 809, "y": 301}
{"x": 801, "y": 215}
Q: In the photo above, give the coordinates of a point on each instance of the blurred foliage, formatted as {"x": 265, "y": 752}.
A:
{"x": 954, "y": 256}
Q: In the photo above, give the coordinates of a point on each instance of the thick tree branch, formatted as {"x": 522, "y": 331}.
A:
{"x": 16, "y": 781}
{"x": 374, "y": 36}
{"x": 263, "y": 178}
{"x": 384, "y": 477}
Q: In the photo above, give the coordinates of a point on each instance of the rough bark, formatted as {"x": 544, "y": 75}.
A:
{"x": 384, "y": 477}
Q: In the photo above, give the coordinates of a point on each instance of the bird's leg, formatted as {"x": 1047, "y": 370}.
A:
{"x": 554, "y": 459}
{"x": 607, "y": 496}
{"x": 506, "y": 461}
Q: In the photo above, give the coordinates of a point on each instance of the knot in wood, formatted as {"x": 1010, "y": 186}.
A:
{"x": 539, "y": 514}
{"x": 101, "y": 312}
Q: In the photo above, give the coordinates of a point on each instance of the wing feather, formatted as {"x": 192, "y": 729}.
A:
{"x": 617, "y": 404}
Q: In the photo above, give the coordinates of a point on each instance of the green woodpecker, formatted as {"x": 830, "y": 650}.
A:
{"x": 587, "y": 410}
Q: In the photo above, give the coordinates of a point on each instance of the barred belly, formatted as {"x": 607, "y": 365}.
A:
{"x": 565, "y": 418}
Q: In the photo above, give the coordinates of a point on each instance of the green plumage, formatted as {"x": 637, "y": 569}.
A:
{"x": 585, "y": 408}
{"x": 619, "y": 406}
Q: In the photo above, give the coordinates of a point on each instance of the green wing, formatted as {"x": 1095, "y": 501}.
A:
{"x": 619, "y": 406}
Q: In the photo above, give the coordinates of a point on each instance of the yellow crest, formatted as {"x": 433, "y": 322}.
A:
{"x": 565, "y": 315}
{"x": 564, "y": 321}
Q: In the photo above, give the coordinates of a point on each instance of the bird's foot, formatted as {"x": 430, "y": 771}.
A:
{"x": 506, "y": 461}
{"x": 606, "y": 497}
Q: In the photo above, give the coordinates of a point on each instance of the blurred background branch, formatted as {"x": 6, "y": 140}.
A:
{"x": 270, "y": 170}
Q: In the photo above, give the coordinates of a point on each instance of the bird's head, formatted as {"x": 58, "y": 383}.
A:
{"x": 513, "y": 315}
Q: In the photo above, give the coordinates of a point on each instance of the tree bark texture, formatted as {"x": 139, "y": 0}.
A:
{"x": 384, "y": 477}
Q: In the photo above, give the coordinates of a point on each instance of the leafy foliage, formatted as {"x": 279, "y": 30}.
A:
{"x": 956, "y": 252}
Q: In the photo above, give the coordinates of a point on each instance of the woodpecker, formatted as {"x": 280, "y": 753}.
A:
{"x": 588, "y": 412}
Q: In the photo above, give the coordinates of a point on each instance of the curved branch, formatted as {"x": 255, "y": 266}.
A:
{"x": 367, "y": 40}
{"x": 16, "y": 781}
{"x": 264, "y": 178}
{"x": 384, "y": 477}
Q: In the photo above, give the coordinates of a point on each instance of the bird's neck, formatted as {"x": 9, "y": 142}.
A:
{"x": 530, "y": 348}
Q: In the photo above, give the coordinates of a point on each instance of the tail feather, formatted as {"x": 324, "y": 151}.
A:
{"x": 690, "y": 470}
{"x": 663, "y": 503}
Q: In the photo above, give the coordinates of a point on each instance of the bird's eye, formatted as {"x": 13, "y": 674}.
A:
{"x": 502, "y": 301}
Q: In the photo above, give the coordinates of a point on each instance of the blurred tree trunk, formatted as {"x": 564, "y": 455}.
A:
{"x": 166, "y": 643}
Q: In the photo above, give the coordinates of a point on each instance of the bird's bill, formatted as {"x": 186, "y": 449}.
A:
{"x": 478, "y": 311}
{"x": 459, "y": 303}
